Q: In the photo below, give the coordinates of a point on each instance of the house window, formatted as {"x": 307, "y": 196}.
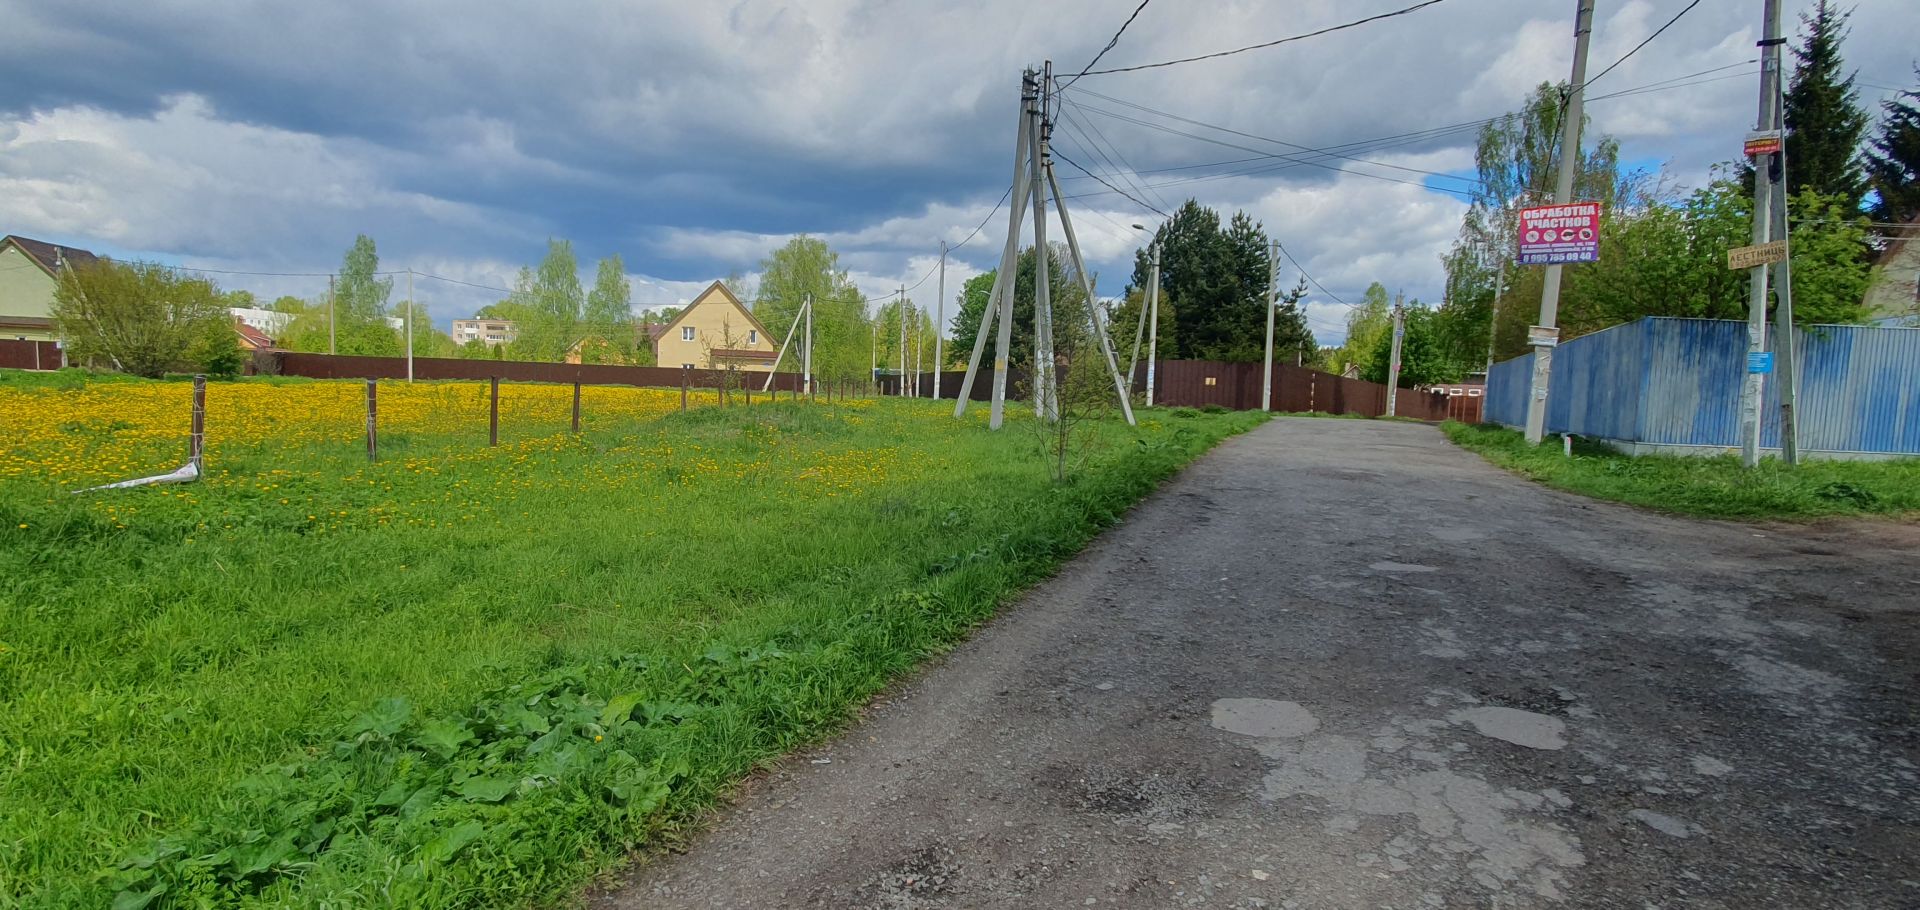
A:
{"x": 686, "y": 366}
{"x": 753, "y": 336}
{"x": 686, "y": 333}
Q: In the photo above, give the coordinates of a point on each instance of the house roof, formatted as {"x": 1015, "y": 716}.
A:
{"x": 251, "y": 335}
{"x": 720, "y": 286}
{"x": 49, "y": 256}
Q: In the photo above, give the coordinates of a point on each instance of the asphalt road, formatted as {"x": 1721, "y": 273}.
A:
{"x": 1340, "y": 663}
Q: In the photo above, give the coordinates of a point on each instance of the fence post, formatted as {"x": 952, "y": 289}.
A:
{"x": 197, "y": 443}
{"x": 373, "y": 420}
{"x": 748, "y": 386}
{"x": 576, "y": 407}
{"x": 683, "y": 389}
{"x": 493, "y": 412}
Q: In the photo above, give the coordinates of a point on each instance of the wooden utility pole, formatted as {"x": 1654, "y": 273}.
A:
{"x": 1393, "y": 362}
{"x": 1563, "y": 193}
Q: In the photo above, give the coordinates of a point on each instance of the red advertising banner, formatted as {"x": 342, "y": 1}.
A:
{"x": 1555, "y": 234}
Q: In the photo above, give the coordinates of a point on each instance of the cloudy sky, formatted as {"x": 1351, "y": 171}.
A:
{"x": 692, "y": 138}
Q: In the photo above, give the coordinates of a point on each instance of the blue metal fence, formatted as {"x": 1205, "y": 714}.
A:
{"x": 1676, "y": 382}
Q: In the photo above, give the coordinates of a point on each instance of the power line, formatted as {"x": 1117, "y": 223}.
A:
{"x": 1282, "y": 142}
{"x": 1110, "y": 43}
{"x": 1636, "y": 48}
{"x": 1309, "y": 275}
{"x": 983, "y": 222}
{"x": 1143, "y": 204}
{"x": 1255, "y": 47}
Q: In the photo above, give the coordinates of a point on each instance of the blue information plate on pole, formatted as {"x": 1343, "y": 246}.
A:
{"x": 1760, "y": 363}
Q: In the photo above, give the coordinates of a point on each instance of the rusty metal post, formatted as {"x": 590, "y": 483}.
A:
{"x": 684, "y": 378}
{"x": 576, "y": 406}
{"x": 373, "y": 420}
{"x": 197, "y": 442}
{"x": 493, "y": 413}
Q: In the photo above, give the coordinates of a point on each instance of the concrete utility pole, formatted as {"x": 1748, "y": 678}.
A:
{"x": 1273, "y": 278}
{"x": 1001, "y": 285}
{"x": 903, "y": 340}
{"x": 1393, "y": 362}
{"x": 940, "y": 322}
{"x": 1153, "y": 321}
{"x": 1770, "y": 223}
{"x": 1562, "y": 194}
{"x": 806, "y": 360}
{"x": 1493, "y": 319}
{"x": 329, "y": 314}
{"x": 409, "y": 325}
{"x": 1045, "y": 401}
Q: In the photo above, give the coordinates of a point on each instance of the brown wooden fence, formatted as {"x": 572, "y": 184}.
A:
{"x": 20, "y": 354}
{"x": 342, "y": 366}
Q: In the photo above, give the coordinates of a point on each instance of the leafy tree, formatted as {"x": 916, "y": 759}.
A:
{"x": 1126, "y": 326}
{"x": 360, "y": 304}
{"x": 143, "y": 318}
{"x": 842, "y": 335}
{"x": 1368, "y": 322}
{"x": 549, "y": 301}
{"x": 1825, "y": 121}
{"x": 1065, "y": 294}
{"x": 607, "y": 326}
{"x": 1893, "y": 162}
{"x": 1421, "y": 360}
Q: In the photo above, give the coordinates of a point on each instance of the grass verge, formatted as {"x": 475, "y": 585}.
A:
{"x": 473, "y": 677}
{"x": 1717, "y": 487}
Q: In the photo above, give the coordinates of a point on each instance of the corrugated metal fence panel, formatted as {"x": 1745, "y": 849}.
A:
{"x": 1507, "y": 391}
{"x": 1859, "y": 386}
{"x": 1859, "y": 390}
{"x": 1694, "y": 369}
{"x": 1594, "y": 389}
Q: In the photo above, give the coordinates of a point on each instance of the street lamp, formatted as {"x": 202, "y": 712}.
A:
{"x": 1150, "y": 315}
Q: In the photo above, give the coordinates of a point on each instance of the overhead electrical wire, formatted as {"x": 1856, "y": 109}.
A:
{"x": 1111, "y": 42}
{"x": 1636, "y": 48}
{"x": 1137, "y": 200}
{"x": 1255, "y": 47}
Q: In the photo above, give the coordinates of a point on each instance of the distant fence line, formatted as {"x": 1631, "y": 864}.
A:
{"x": 1673, "y": 385}
{"x": 1200, "y": 383}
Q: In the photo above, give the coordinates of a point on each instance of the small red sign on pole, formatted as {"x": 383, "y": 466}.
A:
{"x": 1766, "y": 142}
{"x": 1555, "y": 234}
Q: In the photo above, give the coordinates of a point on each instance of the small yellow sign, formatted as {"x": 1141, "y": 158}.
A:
{"x": 1747, "y": 257}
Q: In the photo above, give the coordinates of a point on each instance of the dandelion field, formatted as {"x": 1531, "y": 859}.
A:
{"x": 466, "y": 676}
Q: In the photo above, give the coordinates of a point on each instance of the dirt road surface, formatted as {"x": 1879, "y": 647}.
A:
{"x": 1340, "y": 663}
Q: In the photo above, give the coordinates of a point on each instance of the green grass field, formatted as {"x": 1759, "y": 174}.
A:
{"x": 1715, "y": 487}
{"x": 472, "y": 677}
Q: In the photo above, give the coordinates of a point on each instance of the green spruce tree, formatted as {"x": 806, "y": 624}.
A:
{"x": 1893, "y": 163}
{"x": 1825, "y": 121}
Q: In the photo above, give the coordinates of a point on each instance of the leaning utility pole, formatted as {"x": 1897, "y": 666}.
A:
{"x": 1002, "y": 286}
{"x": 1153, "y": 321}
{"x": 1769, "y": 224}
{"x": 939, "y": 322}
{"x": 1543, "y": 343}
{"x": 1273, "y": 278}
{"x": 1393, "y": 362}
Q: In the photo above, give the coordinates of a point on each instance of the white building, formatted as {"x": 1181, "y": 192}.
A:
{"x": 490, "y": 331}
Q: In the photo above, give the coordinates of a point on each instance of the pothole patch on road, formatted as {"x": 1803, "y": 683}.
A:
{"x": 1263, "y": 717}
{"x": 1522, "y": 728}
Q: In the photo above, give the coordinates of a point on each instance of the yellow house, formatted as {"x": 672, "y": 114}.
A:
{"x": 715, "y": 331}
{"x": 29, "y": 270}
